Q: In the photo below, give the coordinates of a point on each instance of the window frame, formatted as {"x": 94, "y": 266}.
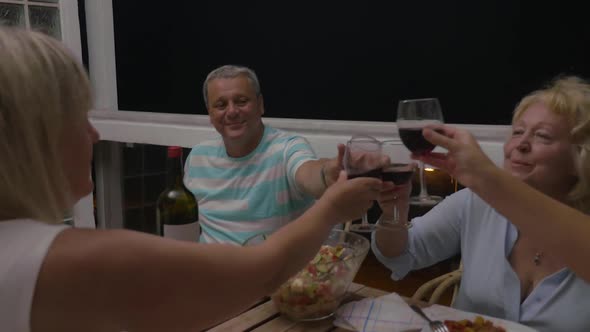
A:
{"x": 83, "y": 212}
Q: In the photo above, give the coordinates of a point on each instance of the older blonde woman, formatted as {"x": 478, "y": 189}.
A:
{"x": 54, "y": 278}
{"x": 511, "y": 269}
{"x": 557, "y": 227}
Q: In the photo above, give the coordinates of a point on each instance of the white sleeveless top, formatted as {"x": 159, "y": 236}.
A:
{"x": 23, "y": 247}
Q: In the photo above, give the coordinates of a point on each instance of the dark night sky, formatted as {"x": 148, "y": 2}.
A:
{"x": 350, "y": 61}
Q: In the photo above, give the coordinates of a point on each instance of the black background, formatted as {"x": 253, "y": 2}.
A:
{"x": 350, "y": 60}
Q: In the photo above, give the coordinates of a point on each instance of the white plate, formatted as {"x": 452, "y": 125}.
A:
{"x": 441, "y": 313}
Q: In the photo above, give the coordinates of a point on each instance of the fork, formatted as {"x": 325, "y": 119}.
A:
{"x": 436, "y": 325}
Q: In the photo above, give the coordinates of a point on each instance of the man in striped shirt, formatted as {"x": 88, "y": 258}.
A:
{"x": 252, "y": 179}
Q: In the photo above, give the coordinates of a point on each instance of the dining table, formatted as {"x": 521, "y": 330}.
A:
{"x": 264, "y": 317}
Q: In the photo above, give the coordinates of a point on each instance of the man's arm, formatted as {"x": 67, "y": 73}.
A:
{"x": 311, "y": 177}
{"x": 314, "y": 176}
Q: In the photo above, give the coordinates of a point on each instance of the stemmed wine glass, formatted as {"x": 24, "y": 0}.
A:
{"x": 412, "y": 116}
{"x": 363, "y": 158}
{"x": 398, "y": 170}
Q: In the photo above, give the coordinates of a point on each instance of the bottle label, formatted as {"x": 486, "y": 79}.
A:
{"x": 186, "y": 232}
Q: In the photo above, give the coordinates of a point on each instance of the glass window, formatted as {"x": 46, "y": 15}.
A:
{"x": 40, "y": 17}
{"x": 45, "y": 19}
{"x": 348, "y": 62}
{"x": 12, "y": 15}
{"x": 144, "y": 178}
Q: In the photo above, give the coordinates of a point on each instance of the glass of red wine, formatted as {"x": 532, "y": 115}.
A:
{"x": 399, "y": 169}
{"x": 363, "y": 158}
{"x": 412, "y": 116}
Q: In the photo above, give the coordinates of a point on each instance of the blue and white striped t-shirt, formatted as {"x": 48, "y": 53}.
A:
{"x": 256, "y": 194}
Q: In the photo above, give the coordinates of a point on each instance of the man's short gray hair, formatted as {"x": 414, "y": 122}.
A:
{"x": 231, "y": 71}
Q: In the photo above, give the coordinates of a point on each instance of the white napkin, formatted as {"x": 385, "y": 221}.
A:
{"x": 390, "y": 313}
{"x": 385, "y": 313}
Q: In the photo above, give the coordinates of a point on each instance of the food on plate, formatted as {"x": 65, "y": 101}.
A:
{"x": 479, "y": 324}
{"x": 316, "y": 291}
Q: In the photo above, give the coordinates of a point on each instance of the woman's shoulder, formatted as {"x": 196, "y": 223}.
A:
{"x": 23, "y": 232}
{"x": 24, "y": 243}
{"x": 464, "y": 197}
{"x": 467, "y": 196}
{"x": 26, "y": 240}
{"x": 27, "y": 224}
{"x": 463, "y": 205}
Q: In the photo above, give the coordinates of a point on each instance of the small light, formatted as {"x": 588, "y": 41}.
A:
{"x": 429, "y": 169}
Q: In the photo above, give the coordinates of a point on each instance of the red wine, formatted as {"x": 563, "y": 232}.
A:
{"x": 397, "y": 175}
{"x": 374, "y": 173}
{"x": 415, "y": 141}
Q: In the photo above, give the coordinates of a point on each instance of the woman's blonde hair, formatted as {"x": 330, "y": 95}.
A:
{"x": 42, "y": 89}
{"x": 569, "y": 97}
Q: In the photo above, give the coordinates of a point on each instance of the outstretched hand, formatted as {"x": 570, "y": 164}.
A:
{"x": 464, "y": 158}
{"x": 350, "y": 199}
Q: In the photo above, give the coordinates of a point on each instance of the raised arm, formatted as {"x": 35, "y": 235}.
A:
{"x": 121, "y": 280}
{"x": 556, "y": 227}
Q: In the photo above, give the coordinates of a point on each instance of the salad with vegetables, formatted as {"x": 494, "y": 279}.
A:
{"x": 317, "y": 290}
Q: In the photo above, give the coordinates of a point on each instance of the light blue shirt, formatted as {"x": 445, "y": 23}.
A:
{"x": 239, "y": 198}
{"x": 464, "y": 223}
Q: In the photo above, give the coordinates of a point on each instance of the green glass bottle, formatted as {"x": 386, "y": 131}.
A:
{"x": 177, "y": 214}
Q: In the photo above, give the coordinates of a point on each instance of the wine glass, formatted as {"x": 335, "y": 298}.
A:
{"x": 399, "y": 169}
{"x": 362, "y": 158}
{"x": 412, "y": 116}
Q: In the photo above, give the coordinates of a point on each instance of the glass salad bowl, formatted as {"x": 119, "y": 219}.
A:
{"x": 316, "y": 292}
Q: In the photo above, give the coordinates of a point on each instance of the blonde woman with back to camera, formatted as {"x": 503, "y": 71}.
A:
{"x": 521, "y": 241}
{"x": 56, "y": 278}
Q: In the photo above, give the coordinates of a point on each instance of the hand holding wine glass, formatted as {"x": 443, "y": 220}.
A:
{"x": 399, "y": 170}
{"x": 363, "y": 158}
{"x": 412, "y": 116}
{"x": 464, "y": 157}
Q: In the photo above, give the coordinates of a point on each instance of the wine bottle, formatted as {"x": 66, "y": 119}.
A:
{"x": 176, "y": 210}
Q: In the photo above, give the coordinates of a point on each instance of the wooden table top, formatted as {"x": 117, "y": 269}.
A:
{"x": 264, "y": 317}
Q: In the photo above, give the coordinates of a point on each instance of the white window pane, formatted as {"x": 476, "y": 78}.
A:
{"x": 51, "y": 1}
{"x": 45, "y": 19}
{"x": 12, "y": 15}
